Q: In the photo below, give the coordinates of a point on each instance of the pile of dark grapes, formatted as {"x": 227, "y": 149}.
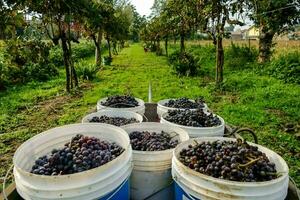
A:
{"x": 230, "y": 160}
{"x": 80, "y": 154}
{"x": 117, "y": 121}
{"x": 120, "y": 101}
{"x": 195, "y": 118}
{"x": 151, "y": 141}
{"x": 184, "y": 103}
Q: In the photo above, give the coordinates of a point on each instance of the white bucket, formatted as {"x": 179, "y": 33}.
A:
{"x": 194, "y": 185}
{"x": 195, "y": 132}
{"x": 152, "y": 169}
{"x": 138, "y": 109}
{"x": 161, "y": 109}
{"x": 103, "y": 182}
{"x": 113, "y": 113}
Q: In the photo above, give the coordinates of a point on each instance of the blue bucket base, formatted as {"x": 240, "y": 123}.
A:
{"x": 180, "y": 194}
{"x": 122, "y": 192}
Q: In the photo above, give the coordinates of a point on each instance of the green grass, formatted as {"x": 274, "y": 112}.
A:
{"x": 262, "y": 103}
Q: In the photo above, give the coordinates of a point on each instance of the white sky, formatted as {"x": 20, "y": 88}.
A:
{"x": 143, "y": 6}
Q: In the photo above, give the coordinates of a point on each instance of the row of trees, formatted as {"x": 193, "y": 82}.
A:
{"x": 113, "y": 20}
{"x": 180, "y": 18}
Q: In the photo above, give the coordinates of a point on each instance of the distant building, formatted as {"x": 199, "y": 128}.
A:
{"x": 252, "y": 33}
{"x": 237, "y": 35}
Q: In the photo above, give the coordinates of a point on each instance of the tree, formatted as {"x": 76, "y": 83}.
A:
{"x": 138, "y": 23}
{"x": 182, "y": 17}
{"x": 11, "y": 20}
{"x": 272, "y": 17}
{"x": 157, "y": 7}
{"x": 58, "y": 17}
{"x": 117, "y": 25}
{"x": 217, "y": 14}
{"x": 94, "y": 23}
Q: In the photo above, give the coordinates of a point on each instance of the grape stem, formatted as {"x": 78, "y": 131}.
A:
{"x": 196, "y": 142}
{"x": 252, "y": 161}
{"x": 172, "y": 136}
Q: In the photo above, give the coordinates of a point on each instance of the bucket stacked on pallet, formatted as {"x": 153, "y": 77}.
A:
{"x": 219, "y": 168}
{"x": 122, "y": 103}
{"x": 194, "y": 118}
{"x": 153, "y": 145}
{"x": 79, "y": 161}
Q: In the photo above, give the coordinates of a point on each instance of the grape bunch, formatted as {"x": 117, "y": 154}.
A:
{"x": 230, "y": 160}
{"x": 117, "y": 121}
{"x": 195, "y": 118}
{"x": 120, "y": 101}
{"x": 80, "y": 154}
{"x": 184, "y": 103}
{"x": 151, "y": 141}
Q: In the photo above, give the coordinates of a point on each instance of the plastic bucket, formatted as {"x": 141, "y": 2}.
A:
{"x": 138, "y": 109}
{"x": 195, "y": 132}
{"x": 151, "y": 176}
{"x": 109, "y": 181}
{"x": 161, "y": 109}
{"x": 113, "y": 113}
{"x": 194, "y": 185}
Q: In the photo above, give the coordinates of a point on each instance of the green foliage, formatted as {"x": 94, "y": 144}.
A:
{"x": 39, "y": 71}
{"x": 107, "y": 60}
{"x": 3, "y": 73}
{"x": 286, "y": 67}
{"x": 277, "y": 17}
{"x": 25, "y": 60}
{"x": 206, "y": 56}
{"x": 56, "y": 56}
{"x": 240, "y": 57}
{"x": 82, "y": 50}
{"x": 86, "y": 70}
{"x": 138, "y": 23}
{"x": 28, "y": 51}
{"x": 159, "y": 51}
{"x": 184, "y": 63}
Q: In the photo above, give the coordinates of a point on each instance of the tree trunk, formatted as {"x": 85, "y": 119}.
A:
{"x": 219, "y": 61}
{"x": 73, "y": 71}
{"x": 158, "y": 52}
{"x": 98, "y": 49}
{"x": 182, "y": 47}
{"x": 166, "y": 46}
{"x": 66, "y": 61}
{"x": 265, "y": 45}
{"x": 115, "y": 50}
{"x": 109, "y": 47}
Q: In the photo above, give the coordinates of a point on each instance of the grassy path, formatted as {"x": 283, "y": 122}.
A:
{"x": 262, "y": 103}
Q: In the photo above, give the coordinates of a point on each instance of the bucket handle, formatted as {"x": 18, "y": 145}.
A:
{"x": 4, "y": 181}
{"x": 234, "y": 131}
{"x": 296, "y": 189}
